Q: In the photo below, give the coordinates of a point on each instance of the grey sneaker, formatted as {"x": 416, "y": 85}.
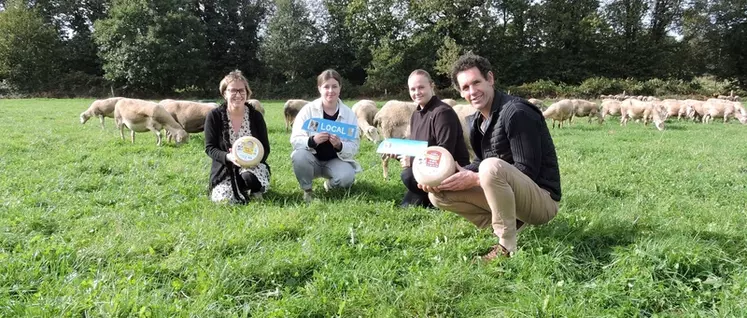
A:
{"x": 257, "y": 196}
{"x": 308, "y": 196}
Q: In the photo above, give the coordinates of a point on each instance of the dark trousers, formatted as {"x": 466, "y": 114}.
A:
{"x": 250, "y": 182}
{"x": 413, "y": 196}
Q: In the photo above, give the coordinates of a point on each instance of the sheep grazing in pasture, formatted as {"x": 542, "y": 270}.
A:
{"x": 393, "y": 121}
{"x": 366, "y": 110}
{"x": 584, "y": 108}
{"x": 101, "y": 108}
{"x": 190, "y": 115}
{"x": 610, "y": 107}
{"x": 140, "y": 115}
{"x": 716, "y": 108}
{"x": 257, "y": 106}
{"x": 636, "y": 109}
{"x": 673, "y": 108}
{"x": 449, "y": 102}
{"x": 464, "y": 111}
{"x": 692, "y": 109}
{"x": 291, "y": 109}
{"x": 560, "y": 111}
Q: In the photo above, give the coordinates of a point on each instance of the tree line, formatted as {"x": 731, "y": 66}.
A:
{"x": 184, "y": 47}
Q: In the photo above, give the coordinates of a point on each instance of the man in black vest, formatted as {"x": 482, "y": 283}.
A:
{"x": 514, "y": 178}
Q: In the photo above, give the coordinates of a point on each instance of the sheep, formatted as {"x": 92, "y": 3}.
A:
{"x": 635, "y": 109}
{"x": 559, "y": 111}
{"x": 583, "y": 108}
{"x": 291, "y": 109}
{"x": 463, "y": 111}
{"x": 257, "y": 106}
{"x": 393, "y": 121}
{"x": 366, "y": 110}
{"x": 672, "y": 107}
{"x": 449, "y": 102}
{"x": 140, "y": 115}
{"x": 610, "y": 107}
{"x": 101, "y": 108}
{"x": 692, "y": 109}
{"x": 191, "y": 115}
{"x": 715, "y": 108}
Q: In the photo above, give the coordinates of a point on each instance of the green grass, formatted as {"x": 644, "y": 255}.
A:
{"x": 651, "y": 223}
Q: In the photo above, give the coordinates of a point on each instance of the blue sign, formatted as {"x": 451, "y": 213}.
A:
{"x": 320, "y": 125}
{"x": 402, "y": 147}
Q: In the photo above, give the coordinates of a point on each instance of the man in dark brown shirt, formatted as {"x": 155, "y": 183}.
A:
{"x": 435, "y": 122}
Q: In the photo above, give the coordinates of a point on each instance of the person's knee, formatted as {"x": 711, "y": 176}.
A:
{"x": 438, "y": 200}
{"x": 408, "y": 179}
{"x": 344, "y": 180}
{"x": 302, "y": 158}
{"x": 493, "y": 168}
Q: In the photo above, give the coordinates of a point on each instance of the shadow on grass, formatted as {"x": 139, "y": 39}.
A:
{"x": 362, "y": 190}
{"x": 591, "y": 246}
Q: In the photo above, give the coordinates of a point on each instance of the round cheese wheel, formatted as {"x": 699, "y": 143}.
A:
{"x": 433, "y": 166}
{"x": 248, "y": 151}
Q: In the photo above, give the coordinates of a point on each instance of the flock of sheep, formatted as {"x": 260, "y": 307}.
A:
{"x": 180, "y": 118}
{"x": 646, "y": 108}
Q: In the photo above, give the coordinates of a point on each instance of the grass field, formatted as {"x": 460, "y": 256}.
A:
{"x": 651, "y": 224}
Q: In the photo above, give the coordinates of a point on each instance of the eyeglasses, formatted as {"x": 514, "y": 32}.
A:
{"x": 236, "y": 91}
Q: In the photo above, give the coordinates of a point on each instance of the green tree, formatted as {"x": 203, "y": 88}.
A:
{"x": 29, "y": 49}
{"x": 292, "y": 41}
{"x": 151, "y": 46}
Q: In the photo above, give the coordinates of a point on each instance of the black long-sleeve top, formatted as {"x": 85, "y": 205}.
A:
{"x": 438, "y": 124}
{"x": 217, "y": 141}
{"x": 516, "y": 132}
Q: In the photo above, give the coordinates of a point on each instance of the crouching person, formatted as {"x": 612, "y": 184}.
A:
{"x": 435, "y": 122}
{"x": 323, "y": 154}
{"x": 514, "y": 178}
{"x": 229, "y": 182}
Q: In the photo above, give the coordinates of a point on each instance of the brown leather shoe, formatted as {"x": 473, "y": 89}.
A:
{"x": 498, "y": 250}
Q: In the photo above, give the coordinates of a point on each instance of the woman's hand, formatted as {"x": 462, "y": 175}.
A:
{"x": 321, "y": 138}
{"x": 230, "y": 157}
{"x": 336, "y": 142}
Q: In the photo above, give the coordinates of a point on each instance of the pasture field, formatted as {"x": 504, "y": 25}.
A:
{"x": 651, "y": 224}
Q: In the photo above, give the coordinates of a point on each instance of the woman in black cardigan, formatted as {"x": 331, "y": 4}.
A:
{"x": 231, "y": 120}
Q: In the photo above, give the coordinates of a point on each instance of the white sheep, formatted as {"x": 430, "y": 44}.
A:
{"x": 101, "y": 108}
{"x": 257, "y": 105}
{"x": 716, "y": 108}
{"x": 393, "y": 121}
{"x": 673, "y": 108}
{"x": 449, "y": 102}
{"x": 584, "y": 108}
{"x": 610, "y": 107}
{"x": 190, "y": 115}
{"x": 291, "y": 109}
{"x": 637, "y": 109}
{"x": 140, "y": 115}
{"x": 366, "y": 110}
{"x": 560, "y": 111}
{"x": 692, "y": 109}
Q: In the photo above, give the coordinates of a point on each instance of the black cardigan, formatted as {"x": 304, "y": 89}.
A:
{"x": 439, "y": 125}
{"x": 217, "y": 143}
{"x": 518, "y": 134}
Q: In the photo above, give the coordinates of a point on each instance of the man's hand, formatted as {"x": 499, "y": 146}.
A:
{"x": 321, "y": 137}
{"x": 462, "y": 180}
{"x": 336, "y": 142}
{"x": 428, "y": 189}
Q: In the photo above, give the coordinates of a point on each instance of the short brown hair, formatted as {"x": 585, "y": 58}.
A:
{"x": 468, "y": 61}
{"x": 421, "y": 72}
{"x": 327, "y": 74}
{"x": 232, "y": 77}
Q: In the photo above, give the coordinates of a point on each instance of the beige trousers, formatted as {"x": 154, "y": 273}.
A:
{"x": 505, "y": 194}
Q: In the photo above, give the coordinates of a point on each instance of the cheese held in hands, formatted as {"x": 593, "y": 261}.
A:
{"x": 248, "y": 151}
{"x": 433, "y": 166}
